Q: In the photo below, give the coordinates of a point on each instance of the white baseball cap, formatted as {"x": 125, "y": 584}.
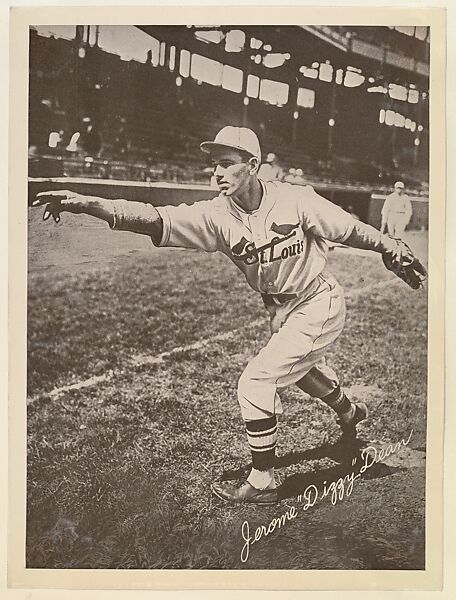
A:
{"x": 239, "y": 138}
{"x": 399, "y": 184}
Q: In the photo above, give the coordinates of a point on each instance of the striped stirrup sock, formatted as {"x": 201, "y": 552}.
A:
{"x": 338, "y": 401}
{"x": 262, "y": 438}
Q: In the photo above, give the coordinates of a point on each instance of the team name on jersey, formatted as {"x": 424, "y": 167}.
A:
{"x": 272, "y": 251}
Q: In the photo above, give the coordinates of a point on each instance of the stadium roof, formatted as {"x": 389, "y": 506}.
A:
{"x": 381, "y": 52}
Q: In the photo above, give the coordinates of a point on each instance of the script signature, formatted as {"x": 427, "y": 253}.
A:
{"x": 336, "y": 490}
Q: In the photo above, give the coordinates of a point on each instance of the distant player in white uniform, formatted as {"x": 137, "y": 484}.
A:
{"x": 270, "y": 170}
{"x": 396, "y": 212}
{"x": 275, "y": 234}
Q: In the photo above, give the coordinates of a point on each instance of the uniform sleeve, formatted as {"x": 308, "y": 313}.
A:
{"x": 137, "y": 217}
{"x": 322, "y": 217}
{"x": 189, "y": 226}
{"x": 386, "y": 208}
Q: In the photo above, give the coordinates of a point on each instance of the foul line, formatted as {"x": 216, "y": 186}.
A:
{"x": 141, "y": 360}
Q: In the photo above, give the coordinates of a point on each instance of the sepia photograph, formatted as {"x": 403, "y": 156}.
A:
{"x": 228, "y": 296}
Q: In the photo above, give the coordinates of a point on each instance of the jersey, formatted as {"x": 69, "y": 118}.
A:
{"x": 280, "y": 247}
{"x": 396, "y": 204}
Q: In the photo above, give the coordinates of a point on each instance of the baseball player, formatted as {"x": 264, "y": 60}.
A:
{"x": 275, "y": 233}
{"x": 396, "y": 211}
{"x": 270, "y": 169}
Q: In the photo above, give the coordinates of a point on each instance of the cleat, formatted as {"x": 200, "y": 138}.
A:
{"x": 349, "y": 429}
{"x": 246, "y": 493}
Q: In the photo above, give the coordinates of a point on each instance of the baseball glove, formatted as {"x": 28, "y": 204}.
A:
{"x": 401, "y": 261}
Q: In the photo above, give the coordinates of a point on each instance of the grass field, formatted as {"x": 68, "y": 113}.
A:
{"x": 133, "y": 360}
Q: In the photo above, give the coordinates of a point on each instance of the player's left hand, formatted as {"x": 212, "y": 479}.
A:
{"x": 402, "y": 262}
{"x": 56, "y": 202}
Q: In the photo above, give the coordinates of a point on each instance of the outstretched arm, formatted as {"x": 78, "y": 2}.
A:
{"x": 397, "y": 256}
{"x": 366, "y": 237}
{"x": 119, "y": 214}
{"x": 330, "y": 222}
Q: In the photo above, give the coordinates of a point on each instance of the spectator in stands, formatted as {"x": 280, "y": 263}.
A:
{"x": 270, "y": 169}
{"x": 396, "y": 211}
{"x": 299, "y": 177}
{"x": 290, "y": 178}
{"x": 73, "y": 143}
{"x": 90, "y": 139}
{"x": 121, "y": 141}
{"x": 41, "y": 125}
{"x": 55, "y": 141}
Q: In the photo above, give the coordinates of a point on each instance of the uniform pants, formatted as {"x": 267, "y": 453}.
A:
{"x": 301, "y": 332}
{"x": 396, "y": 225}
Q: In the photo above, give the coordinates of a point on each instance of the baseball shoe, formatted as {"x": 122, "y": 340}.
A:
{"x": 349, "y": 429}
{"x": 246, "y": 493}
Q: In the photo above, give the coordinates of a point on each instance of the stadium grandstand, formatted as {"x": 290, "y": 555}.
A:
{"x": 346, "y": 106}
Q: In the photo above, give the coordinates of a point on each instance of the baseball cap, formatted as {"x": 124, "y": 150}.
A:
{"x": 239, "y": 138}
{"x": 399, "y": 184}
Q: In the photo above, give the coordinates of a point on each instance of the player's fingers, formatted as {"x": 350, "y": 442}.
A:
{"x": 45, "y": 197}
{"x": 414, "y": 282}
{"x": 52, "y": 209}
{"x": 419, "y": 267}
{"x": 55, "y": 193}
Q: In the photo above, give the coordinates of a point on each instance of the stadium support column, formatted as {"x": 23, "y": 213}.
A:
{"x": 419, "y": 129}
{"x": 178, "y": 80}
{"x": 332, "y": 113}
{"x": 384, "y": 144}
{"x": 76, "y": 83}
{"x": 293, "y": 102}
{"x": 178, "y": 46}
{"x": 246, "y": 73}
{"x": 79, "y": 37}
{"x": 394, "y": 162}
{"x": 294, "y": 125}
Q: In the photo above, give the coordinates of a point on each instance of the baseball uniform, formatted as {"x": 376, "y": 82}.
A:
{"x": 396, "y": 213}
{"x": 281, "y": 249}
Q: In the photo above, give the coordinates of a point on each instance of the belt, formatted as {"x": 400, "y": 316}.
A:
{"x": 277, "y": 299}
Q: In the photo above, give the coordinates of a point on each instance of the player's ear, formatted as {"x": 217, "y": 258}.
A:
{"x": 254, "y": 165}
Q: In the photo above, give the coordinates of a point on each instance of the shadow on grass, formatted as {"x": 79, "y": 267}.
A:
{"x": 347, "y": 455}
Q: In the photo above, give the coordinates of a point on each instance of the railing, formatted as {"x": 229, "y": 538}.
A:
{"x": 185, "y": 169}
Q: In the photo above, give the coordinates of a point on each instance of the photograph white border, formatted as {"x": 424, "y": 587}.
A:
{"x": 18, "y": 575}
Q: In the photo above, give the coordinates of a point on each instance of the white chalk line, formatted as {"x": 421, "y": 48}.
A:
{"x": 143, "y": 360}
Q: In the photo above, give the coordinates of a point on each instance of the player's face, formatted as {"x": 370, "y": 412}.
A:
{"x": 231, "y": 171}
